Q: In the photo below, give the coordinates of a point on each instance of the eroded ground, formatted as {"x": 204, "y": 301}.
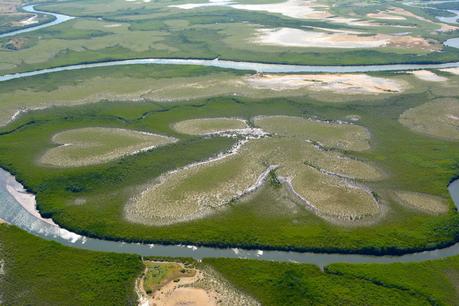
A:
{"x": 19, "y": 99}
{"x": 175, "y": 283}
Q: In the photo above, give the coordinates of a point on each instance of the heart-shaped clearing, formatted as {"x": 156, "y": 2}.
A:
{"x": 96, "y": 145}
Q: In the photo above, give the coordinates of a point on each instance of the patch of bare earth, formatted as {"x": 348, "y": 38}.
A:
{"x": 289, "y": 37}
{"x": 454, "y": 71}
{"x": 339, "y": 83}
{"x": 203, "y": 288}
{"x": 428, "y": 76}
{"x": 10, "y": 8}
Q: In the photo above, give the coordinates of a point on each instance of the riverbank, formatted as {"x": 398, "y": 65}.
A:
{"x": 56, "y": 19}
{"x": 61, "y": 193}
{"x": 24, "y": 219}
{"x": 236, "y": 65}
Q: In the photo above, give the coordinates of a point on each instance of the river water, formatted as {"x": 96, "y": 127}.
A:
{"x": 259, "y": 67}
{"x": 452, "y": 19}
{"x": 237, "y": 65}
{"x": 14, "y": 213}
{"x": 59, "y": 18}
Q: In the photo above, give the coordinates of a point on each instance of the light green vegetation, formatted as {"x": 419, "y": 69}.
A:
{"x": 199, "y": 190}
{"x": 409, "y": 161}
{"x": 13, "y": 18}
{"x": 423, "y": 202}
{"x": 438, "y": 118}
{"x": 334, "y": 198}
{"x": 128, "y": 83}
{"x": 164, "y": 83}
{"x": 426, "y": 283}
{"x": 137, "y": 29}
{"x": 95, "y": 145}
{"x": 40, "y": 272}
{"x": 209, "y": 125}
{"x": 157, "y": 274}
{"x": 341, "y": 136}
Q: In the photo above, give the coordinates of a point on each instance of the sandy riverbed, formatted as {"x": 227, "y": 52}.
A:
{"x": 204, "y": 288}
{"x": 454, "y": 71}
{"x": 299, "y": 9}
{"x": 289, "y": 37}
{"x": 27, "y": 200}
{"x": 428, "y": 76}
{"x": 340, "y": 83}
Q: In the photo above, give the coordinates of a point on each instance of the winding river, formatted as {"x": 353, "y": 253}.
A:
{"x": 259, "y": 67}
{"x": 237, "y": 65}
{"x": 58, "y": 18}
{"x": 17, "y": 207}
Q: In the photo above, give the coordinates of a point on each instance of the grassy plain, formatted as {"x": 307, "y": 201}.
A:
{"x": 135, "y": 30}
{"x": 412, "y": 161}
{"x": 164, "y": 83}
{"x": 421, "y": 201}
{"x": 95, "y": 145}
{"x": 13, "y": 18}
{"x": 438, "y": 119}
{"x": 209, "y": 125}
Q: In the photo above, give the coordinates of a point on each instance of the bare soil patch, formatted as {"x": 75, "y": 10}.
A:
{"x": 454, "y": 71}
{"x": 200, "y": 287}
{"x": 289, "y": 37}
{"x": 340, "y": 83}
{"x": 428, "y": 76}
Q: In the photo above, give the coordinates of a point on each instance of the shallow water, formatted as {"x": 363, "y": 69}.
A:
{"x": 453, "y": 42}
{"x": 251, "y": 66}
{"x": 12, "y": 212}
{"x": 59, "y": 18}
{"x": 453, "y": 19}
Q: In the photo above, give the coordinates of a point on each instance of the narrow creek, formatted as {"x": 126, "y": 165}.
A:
{"x": 17, "y": 207}
{"x": 58, "y": 18}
